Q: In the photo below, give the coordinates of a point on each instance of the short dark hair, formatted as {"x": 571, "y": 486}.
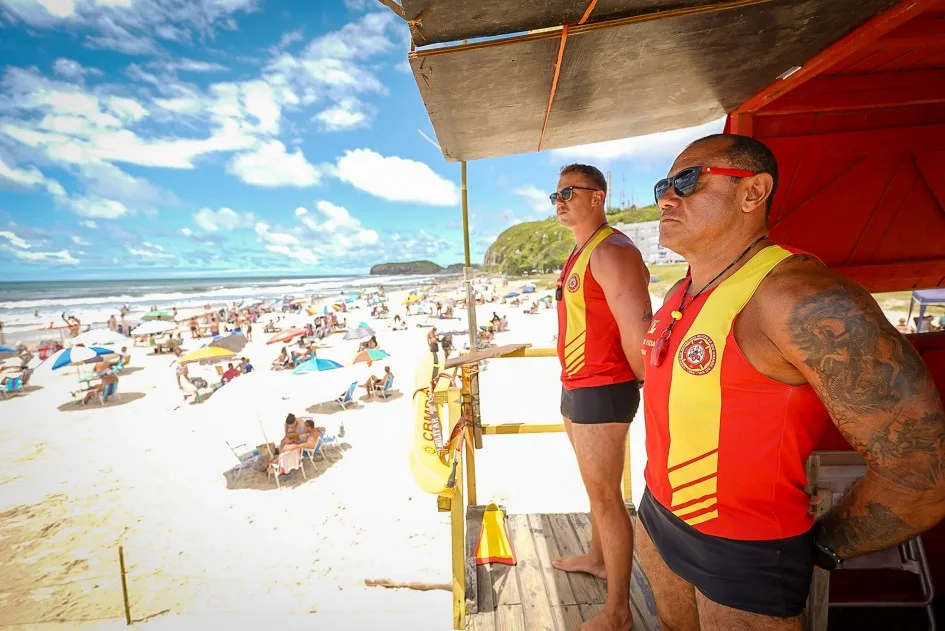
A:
{"x": 590, "y": 172}
{"x": 230, "y": 365}
{"x": 745, "y": 152}
{"x": 310, "y": 424}
{"x": 290, "y": 418}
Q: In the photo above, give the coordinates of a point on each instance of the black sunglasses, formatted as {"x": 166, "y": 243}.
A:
{"x": 684, "y": 182}
{"x": 567, "y": 193}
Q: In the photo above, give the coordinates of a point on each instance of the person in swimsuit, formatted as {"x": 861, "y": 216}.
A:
{"x": 603, "y": 312}
{"x": 756, "y": 354}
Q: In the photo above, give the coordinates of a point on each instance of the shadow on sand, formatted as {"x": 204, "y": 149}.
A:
{"x": 126, "y": 397}
{"x": 332, "y": 407}
{"x": 262, "y": 481}
{"x": 392, "y": 395}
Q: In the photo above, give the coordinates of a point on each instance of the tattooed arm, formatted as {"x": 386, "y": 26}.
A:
{"x": 881, "y": 398}
{"x": 620, "y": 271}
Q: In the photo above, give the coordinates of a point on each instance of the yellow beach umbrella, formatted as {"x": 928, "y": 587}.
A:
{"x": 204, "y": 354}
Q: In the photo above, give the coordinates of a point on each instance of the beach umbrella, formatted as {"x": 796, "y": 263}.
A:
{"x": 158, "y": 315}
{"x": 511, "y": 294}
{"x": 370, "y": 355}
{"x": 359, "y": 333}
{"x": 232, "y": 342}
{"x": 6, "y": 352}
{"x": 547, "y": 298}
{"x": 154, "y": 328}
{"x": 77, "y": 355}
{"x": 285, "y": 336}
{"x": 208, "y": 354}
{"x": 102, "y": 337}
{"x": 316, "y": 365}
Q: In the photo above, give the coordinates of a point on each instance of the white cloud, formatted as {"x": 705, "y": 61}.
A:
{"x": 15, "y": 240}
{"x": 337, "y": 66}
{"x": 79, "y": 240}
{"x": 27, "y": 178}
{"x": 356, "y": 5}
{"x": 348, "y": 113}
{"x": 661, "y": 146}
{"x": 260, "y": 102}
{"x": 70, "y": 69}
{"x": 299, "y": 254}
{"x": 20, "y": 249}
{"x": 537, "y": 199}
{"x": 300, "y": 211}
{"x": 126, "y": 25}
{"x": 338, "y": 225}
{"x": 98, "y": 207}
{"x": 396, "y": 179}
{"x": 187, "y": 232}
{"x": 192, "y": 65}
{"x": 264, "y": 230}
{"x": 88, "y": 223}
{"x": 148, "y": 251}
{"x": 270, "y": 165}
{"x": 223, "y": 220}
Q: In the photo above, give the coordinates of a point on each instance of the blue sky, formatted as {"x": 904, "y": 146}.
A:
{"x": 147, "y": 138}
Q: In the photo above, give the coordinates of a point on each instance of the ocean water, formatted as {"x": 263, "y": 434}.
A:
{"x": 31, "y": 305}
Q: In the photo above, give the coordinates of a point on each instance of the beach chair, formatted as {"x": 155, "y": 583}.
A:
{"x": 111, "y": 390}
{"x": 11, "y": 387}
{"x": 315, "y": 451}
{"x": 244, "y": 459}
{"x": 287, "y": 462}
{"x": 385, "y": 391}
{"x": 348, "y": 397}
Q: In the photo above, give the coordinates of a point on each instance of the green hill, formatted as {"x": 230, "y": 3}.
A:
{"x": 544, "y": 245}
{"x": 408, "y": 267}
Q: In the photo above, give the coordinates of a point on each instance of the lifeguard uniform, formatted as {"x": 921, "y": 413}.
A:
{"x": 597, "y": 383}
{"x": 726, "y": 450}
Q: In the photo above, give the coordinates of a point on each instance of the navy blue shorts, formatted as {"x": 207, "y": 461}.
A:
{"x": 614, "y": 403}
{"x": 765, "y": 577}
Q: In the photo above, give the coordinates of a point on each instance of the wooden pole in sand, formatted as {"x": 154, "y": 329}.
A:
{"x": 124, "y": 584}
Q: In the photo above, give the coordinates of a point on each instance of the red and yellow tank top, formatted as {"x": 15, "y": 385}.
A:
{"x": 726, "y": 445}
{"x": 588, "y": 338}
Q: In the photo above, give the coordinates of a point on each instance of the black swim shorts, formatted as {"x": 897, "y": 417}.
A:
{"x": 765, "y": 577}
{"x": 615, "y": 403}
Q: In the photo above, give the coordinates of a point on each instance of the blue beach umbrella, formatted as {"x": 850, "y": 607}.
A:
{"x": 78, "y": 355}
{"x": 6, "y": 349}
{"x": 316, "y": 365}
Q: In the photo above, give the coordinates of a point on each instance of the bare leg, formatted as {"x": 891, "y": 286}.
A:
{"x": 600, "y": 453}
{"x": 716, "y": 617}
{"x": 675, "y": 598}
{"x": 592, "y": 562}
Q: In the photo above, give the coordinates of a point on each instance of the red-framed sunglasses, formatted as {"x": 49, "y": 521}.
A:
{"x": 684, "y": 182}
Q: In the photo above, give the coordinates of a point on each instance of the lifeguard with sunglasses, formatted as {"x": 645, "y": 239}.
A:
{"x": 603, "y": 312}
{"x": 743, "y": 361}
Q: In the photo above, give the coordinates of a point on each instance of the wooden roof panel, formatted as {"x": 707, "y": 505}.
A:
{"x": 620, "y": 79}
{"x": 455, "y": 20}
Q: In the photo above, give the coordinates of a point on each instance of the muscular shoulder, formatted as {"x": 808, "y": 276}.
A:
{"x": 615, "y": 254}
{"x": 802, "y": 286}
{"x": 816, "y": 316}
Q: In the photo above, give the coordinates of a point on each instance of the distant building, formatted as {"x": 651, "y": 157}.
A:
{"x": 646, "y": 236}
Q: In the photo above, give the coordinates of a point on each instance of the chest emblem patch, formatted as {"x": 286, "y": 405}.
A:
{"x": 574, "y": 282}
{"x": 697, "y": 355}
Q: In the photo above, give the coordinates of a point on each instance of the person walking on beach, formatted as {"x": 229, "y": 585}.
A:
{"x": 755, "y": 355}
{"x": 603, "y": 313}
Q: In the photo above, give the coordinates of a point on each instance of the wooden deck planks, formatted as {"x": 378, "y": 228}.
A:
{"x": 533, "y": 596}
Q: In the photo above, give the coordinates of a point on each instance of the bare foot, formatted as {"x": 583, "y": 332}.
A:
{"x": 583, "y": 563}
{"x": 609, "y": 621}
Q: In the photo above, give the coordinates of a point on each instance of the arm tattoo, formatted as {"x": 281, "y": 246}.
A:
{"x": 880, "y": 395}
{"x": 874, "y": 385}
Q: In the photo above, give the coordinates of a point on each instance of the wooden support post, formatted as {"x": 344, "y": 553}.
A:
{"x": 470, "y": 467}
{"x": 818, "y": 600}
{"x": 458, "y": 536}
{"x": 124, "y": 584}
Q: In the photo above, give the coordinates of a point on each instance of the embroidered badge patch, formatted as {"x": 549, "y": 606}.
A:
{"x": 697, "y": 355}
{"x": 574, "y": 282}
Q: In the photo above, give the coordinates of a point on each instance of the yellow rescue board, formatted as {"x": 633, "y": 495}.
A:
{"x": 430, "y": 472}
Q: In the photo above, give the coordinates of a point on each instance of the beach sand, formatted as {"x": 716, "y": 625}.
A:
{"x": 205, "y": 547}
